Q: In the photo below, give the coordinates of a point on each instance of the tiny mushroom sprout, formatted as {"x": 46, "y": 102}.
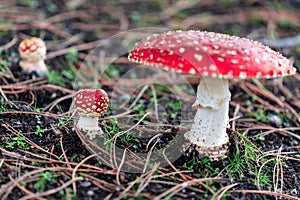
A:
{"x": 33, "y": 52}
{"x": 90, "y": 105}
{"x": 216, "y": 57}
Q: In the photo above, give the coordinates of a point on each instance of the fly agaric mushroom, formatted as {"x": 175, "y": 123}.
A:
{"x": 90, "y": 105}
{"x": 33, "y": 52}
{"x": 216, "y": 57}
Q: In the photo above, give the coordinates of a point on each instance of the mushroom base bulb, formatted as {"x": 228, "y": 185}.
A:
{"x": 39, "y": 67}
{"x": 90, "y": 126}
{"x": 208, "y": 133}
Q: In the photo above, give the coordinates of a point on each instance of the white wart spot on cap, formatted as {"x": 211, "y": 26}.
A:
{"x": 192, "y": 71}
{"x": 258, "y": 75}
{"x": 181, "y": 50}
{"x": 220, "y": 59}
{"x": 243, "y": 75}
{"x": 198, "y": 57}
{"x": 213, "y": 67}
{"x": 234, "y": 61}
{"x": 215, "y": 46}
{"x": 231, "y": 52}
{"x": 257, "y": 60}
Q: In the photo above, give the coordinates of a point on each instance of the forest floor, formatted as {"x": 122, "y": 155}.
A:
{"x": 44, "y": 156}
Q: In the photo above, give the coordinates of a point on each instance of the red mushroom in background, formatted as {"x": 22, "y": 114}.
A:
{"x": 217, "y": 58}
{"x": 90, "y": 104}
{"x": 33, "y": 52}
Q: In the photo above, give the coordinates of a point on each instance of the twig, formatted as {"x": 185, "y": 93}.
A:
{"x": 267, "y": 193}
{"x": 120, "y": 167}
{"x": 10, "y": 44}
{"x": 172, "y": 191}
{"x": 53, "y": 191}
{"x": 75, "y": 170}
{"x": 218, "y": 195}
{"x": 155, "y": 101}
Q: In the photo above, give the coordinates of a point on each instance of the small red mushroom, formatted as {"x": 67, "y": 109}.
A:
{"x": 216, "y": 57}
{"x": 33, "y": 52}
{"x": 90, "y": 104}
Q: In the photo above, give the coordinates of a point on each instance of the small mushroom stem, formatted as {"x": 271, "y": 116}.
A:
{"x": 36, "y": 65}
{"x": 90, "y": 125}
{"x": 208, "y": 133}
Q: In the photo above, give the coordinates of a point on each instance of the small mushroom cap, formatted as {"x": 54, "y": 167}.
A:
{"x": 211, "y": 54}
{"x": 91, "y": 102}
{"x": 32, "y": 49}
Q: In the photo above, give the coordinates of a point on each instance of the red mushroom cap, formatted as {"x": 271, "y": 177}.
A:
{"x": 91, "y": 102}
{"x": 211, "y": 54}
{"x": 32, "y": 49}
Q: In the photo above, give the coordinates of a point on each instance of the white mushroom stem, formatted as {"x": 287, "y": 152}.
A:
{"x": 90, "y": 125}
{"x": 36, "y": 65}
{"x": 210, "y": 122}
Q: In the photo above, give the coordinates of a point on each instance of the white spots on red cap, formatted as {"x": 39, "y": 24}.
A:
{"x": 204, "y": 48}
{"x": 258, "y": 75}
{"x": 220, "y": 59}
{"x": 243, "y": 75}
{"x": 32, "y": 49}
{"x": 213, "y": 67}
{"x": 247, "y": 59}
{"x": 230, "y": 44}
{"x": 169, "y": 33}
{"x": 216, "y": 46}
{"x": 247, "y": 52}
{"x": 162, "y": 42}
{"x": 231, "y": 52}
{"x": 257, "y": 60}
{"x": 181, "y": 50}
{"x": 196, "y": 51}
{"x": 192, "y": 71}
{"x": 91, "y": 102}
{"x": 198, "y": 57}
{"x": 234, "y": 61}
{"x": 216, "y": 52}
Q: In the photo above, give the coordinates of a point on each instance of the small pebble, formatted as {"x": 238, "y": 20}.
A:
{"x": 275, "y": 119}
{"x": 86, "y": 184}
{"x": 90, "y": 193}
{"x": 118, "y": 189}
